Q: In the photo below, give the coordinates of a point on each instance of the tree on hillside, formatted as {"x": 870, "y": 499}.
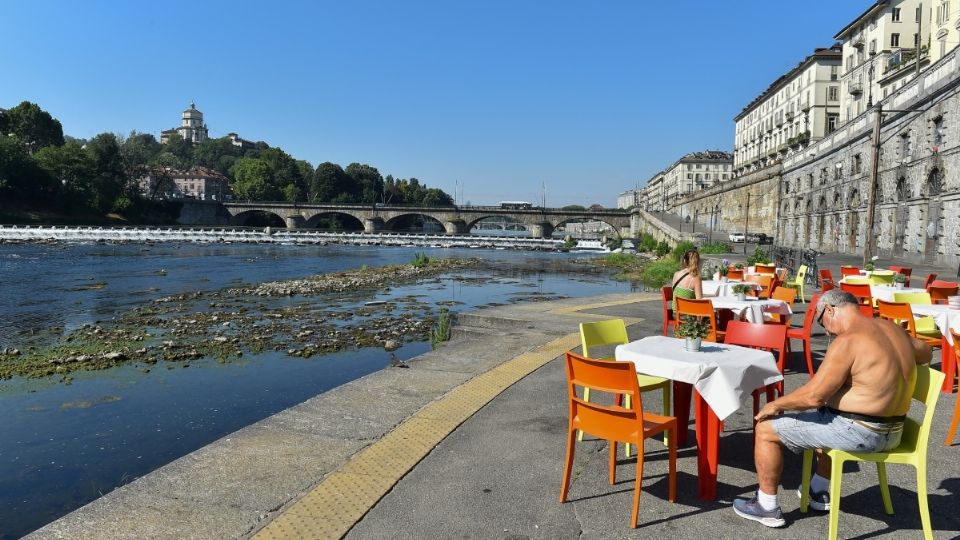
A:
{"x": 574, "y": 208}
{"x": 368, "y": 184}
{"x": 137, "y": 151}
{"x": 181, "y": 148}
{"x": 20, "y": 176}
{"x": 329, "y": 181}
{"x": 33, "y": 126}
{"x": 111, "y": 180}
{"x": 285, "y": 174}
{"x": 71, "y": 168}
{"x": 253, "y": 181}
{"x": 217, "y": 154}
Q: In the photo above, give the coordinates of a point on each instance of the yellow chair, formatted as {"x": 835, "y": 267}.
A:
{"x": 797, "y": 282}
{"x": 925, "y": 326}
{"x": 614, "y": 332}
{"x": 851, "y": 280}
{"x": 912, "y": 451}
{"x": 881, "y": 277}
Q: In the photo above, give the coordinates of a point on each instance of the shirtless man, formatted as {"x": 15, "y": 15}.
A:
{"x": 861, "y": 394}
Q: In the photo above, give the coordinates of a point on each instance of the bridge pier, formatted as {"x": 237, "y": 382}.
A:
{"x": 295, "y": 221}
{"x": 371, "y": 225}
{"x": 455, "y": 227}
{"x": 541, "y": 230}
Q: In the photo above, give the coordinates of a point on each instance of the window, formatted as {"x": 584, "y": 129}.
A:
{"x": 707, "y": 176}
{"x": 837, "y": 170}
{"x": 895, "y": 14}
{"x": 856, "y": 164}
{"x": 833, "y": 73}
{"x": 698, "y": 177}
{"x": 873, "y": 46}
{"x": 832, "y": 93}
{"x": 906, "y": 146}
{"x": 939, "y": 132}
{"x": 689, "y": 167}
{"x": 832, "y": 122}
{"x": 916, "y": 15}
{"x": 894, "y": 40}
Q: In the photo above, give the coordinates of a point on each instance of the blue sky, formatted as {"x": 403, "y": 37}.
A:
{"x": 588, "y": 98}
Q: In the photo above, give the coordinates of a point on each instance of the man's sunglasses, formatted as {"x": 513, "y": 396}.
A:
{"x": 820, "y": 318}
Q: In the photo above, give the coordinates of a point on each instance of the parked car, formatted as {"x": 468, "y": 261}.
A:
{"x": 736, "y": 237}
{"x": 759, "y": 238}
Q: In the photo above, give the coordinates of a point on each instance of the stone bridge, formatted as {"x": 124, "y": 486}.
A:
{"x": 541, "y": 222}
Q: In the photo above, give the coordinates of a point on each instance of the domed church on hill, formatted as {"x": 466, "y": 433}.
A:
{"x": 191, "y": 128}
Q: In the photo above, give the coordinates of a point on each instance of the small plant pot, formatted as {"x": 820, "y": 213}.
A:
{"x": 741, "y": 297}
{"x": 898, "y": 285}
{"x": 692, "y": 344}
{"x": 723, "y": 279}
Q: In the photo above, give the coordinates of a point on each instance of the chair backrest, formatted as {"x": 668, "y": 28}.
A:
{"x": 787, "y": 294}
{"x": 609, "y": 422}
{"x": 929, "y": 281}
{"x": 922, "y": 298}
{"x": 826, "y": 284}
{"x": 808, "y": 317}
{"x": 941, "y": 293}
{"x": 735, "y": 273}
{"x": 849, "y": 271}
{"x": 600, "y": 333}
{"x": 667, "y": 294}
{"x": 898, "y": 312}
{"x": 769, "y": 337}
{"x": 901, "y": 270}
{"x": 856, "y": 280}
{"x": 781, "y": 274}
{"x": 825, "y": 273}
{"x": 765, "y": 268}
{"x": 699, "y": 308}
{"x": 882, "y": 278}
{"x": 801, "y": 274}
{"x": 867, "y": 310}
{"x": 861, "y": 291}
{"x": 765, "y": 281}
{"x": 927, "y": 391}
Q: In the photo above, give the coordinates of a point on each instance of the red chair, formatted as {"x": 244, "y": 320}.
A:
{"x": 735, "y": 273}
{"x": 940, "y": 290}
{"x": 701, "y": 308}
{"x": 825, "y": 273}
{"x": 862, "y": 292}
{"x": 951, "y": 374}
{"x": 803, "y": 333}
{"x": 849, "y": 271}
{"x": 769, "y": 337}
{"x": 867, "y": 311}
{"x": 614, "y": 423}
{"x": 902, "y": 270}
{"x": 826, "y": 285}
{"x": 668, "y": 317}
{"x": 929, "y": 281}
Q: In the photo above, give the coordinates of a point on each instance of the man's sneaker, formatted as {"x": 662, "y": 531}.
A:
{"x": 819, "y": 500}
{"x": 751, "y": 510}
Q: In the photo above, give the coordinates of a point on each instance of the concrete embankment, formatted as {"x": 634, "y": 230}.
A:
{"x": 231, "y": 487}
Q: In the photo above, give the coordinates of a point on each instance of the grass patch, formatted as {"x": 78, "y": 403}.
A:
{"x": 420, "y": 260}
{"x": 715, "y": 248}
{"x": 441, "y": 330}
{"x": 659, "y": 273}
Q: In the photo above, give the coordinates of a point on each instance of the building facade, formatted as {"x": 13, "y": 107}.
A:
{"x": 944, "y": 28}
{"x": 800, "y": 107}
{"x": 628, "y": 199}
{"x": 199, "y": 183}
{"x": 192, "y": 128}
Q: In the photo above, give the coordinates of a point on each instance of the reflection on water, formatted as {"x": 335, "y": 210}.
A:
{"x": 65, "y": 445}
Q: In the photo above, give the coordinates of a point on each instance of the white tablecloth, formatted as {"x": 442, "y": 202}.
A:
{"x": 723, "y": 288}
{"x": 725, "y": 375}
{"x": 943, "y": 315}
{"x": 751, "y": 309}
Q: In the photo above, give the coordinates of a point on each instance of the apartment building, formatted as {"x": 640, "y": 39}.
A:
{"x": 944, "y": 27}
{"x": 629, "y": 198}
{"x": 880, "y": 53}
{"x": 800, "y": 107}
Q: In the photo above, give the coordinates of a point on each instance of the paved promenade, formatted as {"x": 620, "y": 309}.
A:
{"x": 468, "y": 443}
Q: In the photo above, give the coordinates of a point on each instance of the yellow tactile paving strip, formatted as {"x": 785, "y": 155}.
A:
{"x": 334, "y": 505}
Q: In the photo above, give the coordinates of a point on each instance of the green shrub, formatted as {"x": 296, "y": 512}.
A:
{"x": 682, "y": 248}
{"x": 759, "y": 256}
{"x": 647, "y": 242}
{"x": 440, "y": 331}
{"x": 659, "y": 273}
{"x": 619, "y": 260}
{"x": 420, "y": 260}
{"x": 662, "y": 248}
{"x": 614, "y": 243}
{"x": 715, "y": 247}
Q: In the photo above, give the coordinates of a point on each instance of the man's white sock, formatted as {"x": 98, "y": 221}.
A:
{"x": 819, "y": 483}
{"x": 767, "y": 502}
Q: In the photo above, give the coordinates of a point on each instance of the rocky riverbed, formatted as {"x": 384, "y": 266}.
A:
{"x": 304, "y": 318}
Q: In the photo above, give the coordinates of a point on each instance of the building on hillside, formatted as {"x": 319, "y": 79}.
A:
{"x": 243, "y": 144}
{"x": 192, "y": 128}
{"x": 696, "y": 171}
{"x": 880, "y": 53}
{"x": 199, "y": 183}
{"x": 944, "y": 28}
{"x": 629, "y": 198}
{"x": 800, "y": 107}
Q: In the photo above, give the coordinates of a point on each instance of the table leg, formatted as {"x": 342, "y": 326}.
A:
{"x": 708, "y": 446}
{"x": 681, "y": 409}
{"x": 948, "y": 364}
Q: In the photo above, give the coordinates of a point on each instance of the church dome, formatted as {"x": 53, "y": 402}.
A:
{"x": 192, "y": 112}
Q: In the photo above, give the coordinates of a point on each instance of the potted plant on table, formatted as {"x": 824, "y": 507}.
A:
{"x": 693, "y": 329}
{"x": 740, "y": 291}
{"x": 899, "y": 280}
{"x": 871, "y": 264}
{"x": 738, "y": 266}
{"x": 723, "y": 273}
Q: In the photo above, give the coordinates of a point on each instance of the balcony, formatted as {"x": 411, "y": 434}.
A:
{"x": 857, "y": 41}
{"x": 805, "y": 105}
{"x": 855, "y": 88}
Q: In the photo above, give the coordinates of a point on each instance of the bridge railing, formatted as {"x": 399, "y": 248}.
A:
{"x": 448, "y": 208}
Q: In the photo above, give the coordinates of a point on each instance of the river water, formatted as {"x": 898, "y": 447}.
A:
{"x": 64, "y": 445}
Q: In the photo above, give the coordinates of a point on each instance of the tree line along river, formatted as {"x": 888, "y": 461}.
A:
{"x": 73, "y": 435}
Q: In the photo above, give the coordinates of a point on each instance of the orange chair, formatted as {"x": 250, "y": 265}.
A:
{"x": 669, "y": 319}
{"x": 956, "y": 408}
{"x": 614, "y": 423}
{"x": 901, "y": 313}
{"x": 735, "y": 273}
{"x": 765, "y": 282}
{"x": 929, "y": 281}
{"x": 788, "y": 295}
{"x": 849, "y": 271}
{"x": 803, "y": 333}
{"x": 701, "y": 308}
{"x": 768, "y": 337}
{"x": 861, "y": 291}
{"x": 940, "y": 290}
{"x": 765, "y": 269}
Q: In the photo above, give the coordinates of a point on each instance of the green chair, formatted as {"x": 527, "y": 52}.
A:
{"x": 856, "y": 280}
{"x": 797, "y": 282}
{"x": 614, "y": 332}
{"x": 925, "y": 326}
{"x": 882, "y": 277}
{"x": 912, "y": 451}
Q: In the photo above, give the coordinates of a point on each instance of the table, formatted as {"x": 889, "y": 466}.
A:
{"x": 886, "y": 292}
{"x": 712, "y": 287}
{"x": 751, "y": 309}
{"x": 945, "y": 318}
{"x": 722, "y": 377}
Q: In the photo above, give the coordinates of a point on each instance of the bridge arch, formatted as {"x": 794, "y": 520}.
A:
{"x": 333, "y": 220}
{"x": 613, "y": 226}
{"x": 258, "y": 218}
{"x": 407, "y": 222}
